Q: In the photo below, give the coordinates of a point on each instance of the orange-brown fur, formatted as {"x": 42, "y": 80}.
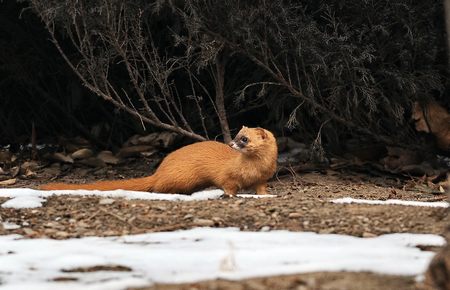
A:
{"x": 434, "y": 119}
{"x": 204, "y": 164}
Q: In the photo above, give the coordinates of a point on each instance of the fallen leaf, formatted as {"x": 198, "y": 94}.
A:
{"x": 15, "y": 171}
{"x": 8, "y": 181}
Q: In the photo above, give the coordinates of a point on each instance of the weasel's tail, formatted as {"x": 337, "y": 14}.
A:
{"x": 136, "y": 184}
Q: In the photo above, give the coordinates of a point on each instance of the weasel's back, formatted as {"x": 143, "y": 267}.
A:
{"x": 193, "y": 167}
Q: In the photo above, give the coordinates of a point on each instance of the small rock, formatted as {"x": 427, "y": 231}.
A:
{"x": 239, "y": 202}
{"x": 82, "y": 224}
{"x": 61, "y": 158}
{"x": 53, "y": 170}
{"x": 83, "y": 153}
{"x": 294, "y": 215}
{"x": 148, "y": 139}
{"x": 5, "y": 157}
{"x": 368, "y": 235}
{"x": 108, "y": 157}
{"x": 188, "y": 216}
{"x": 135, "y": 150}
{"x": 106, "y": 201}
{"x": 160, "y": 207}
{"x": 29, "y": 231}
{"x": 29, "y": 165}
{"x": 166, "y": 139}
{"x": 326, "y": 231}
{"x": 133, "y": 140}
{"x": 265, "y": 229}
{"x": 272, "y": 209}
{"x": 217, "y": 220}
{"x": 10, "y": 226}
{"x": 49, "y": 231}
{"x": 203, "y": 222}
{"x": 61, "y": 234}
{"x": 93, "y": 162}
{"x": 54, "y": 225}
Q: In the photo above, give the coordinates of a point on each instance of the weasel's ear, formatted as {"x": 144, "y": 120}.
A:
{"x": 243, "y": 127}
{"x": 261, "y": 132}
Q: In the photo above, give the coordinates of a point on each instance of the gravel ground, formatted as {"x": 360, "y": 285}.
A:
{"x": 302, "y": 204}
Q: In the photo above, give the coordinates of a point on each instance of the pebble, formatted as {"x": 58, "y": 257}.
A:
{"x": 294, "y": 215}
{"x": 61, "y": 234}
{"x": 188, "y": 216}
{"x": 29, "y": 231}
{"x": 326, "y": 231}
{"x": 368, "y": 235}
{"x": 82, "y": 154}
{"x": 160, "y": 207}
{"x": 203, "y": 222}
{"x": 217, "y": 219}
{"x": 239, "y": 202}
{"x": 106, "y": 201}
{"x": 265, "y": 229}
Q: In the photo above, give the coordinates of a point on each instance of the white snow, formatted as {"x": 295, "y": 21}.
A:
{"x": 24, "y": 202}
{"x": 391, "y": 202}
{"x": 201, "y": 254}
{"x": 10, "y": 226}
{"x": 30, "y": 198}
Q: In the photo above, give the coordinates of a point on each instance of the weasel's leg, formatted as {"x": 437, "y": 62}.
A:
{"x": 230, "y": 190}
{"x": 261, "y": 188}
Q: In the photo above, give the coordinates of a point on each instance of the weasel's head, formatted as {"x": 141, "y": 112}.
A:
{"x": 254, "y": 141}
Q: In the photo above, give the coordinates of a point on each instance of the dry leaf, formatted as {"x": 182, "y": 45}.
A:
{"x": 29, "y": 173}
{"x": 8, "y": 182}
{"x": 15, "y": 171}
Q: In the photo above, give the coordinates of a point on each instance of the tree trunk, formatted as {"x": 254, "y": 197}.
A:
{"x": 220, "y": 99}
{"x": 447, "y": 26}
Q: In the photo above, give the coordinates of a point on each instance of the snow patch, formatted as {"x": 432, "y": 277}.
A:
{"x": 391, "y": 202}
{"x": 10, "y": 226}
{"x": 201, "y": 254}
{"x": 24, "y": 202}
{"x": 30, "y": 198}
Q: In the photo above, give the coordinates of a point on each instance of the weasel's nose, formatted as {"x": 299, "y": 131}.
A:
{"x": 233, "y": 145}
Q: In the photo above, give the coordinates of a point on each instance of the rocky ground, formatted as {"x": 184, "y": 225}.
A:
{"x": 302, "y": 204}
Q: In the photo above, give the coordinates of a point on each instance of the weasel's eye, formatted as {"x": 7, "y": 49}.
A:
{"x": 244, "y": 139}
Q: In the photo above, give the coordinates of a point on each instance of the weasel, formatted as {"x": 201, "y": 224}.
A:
{"x": 246, "y": 163}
